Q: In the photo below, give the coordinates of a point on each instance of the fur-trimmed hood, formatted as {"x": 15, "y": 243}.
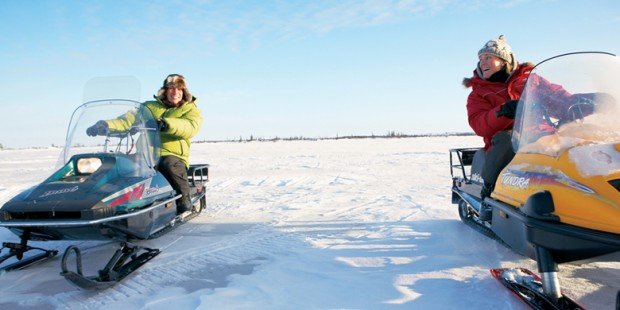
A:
{"x": 176, "y": 81}
{"x": 476, "y": 78}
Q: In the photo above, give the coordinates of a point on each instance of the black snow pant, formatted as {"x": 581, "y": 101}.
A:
{"x": 497, "y": 157}
{"x": 173, "y": 168}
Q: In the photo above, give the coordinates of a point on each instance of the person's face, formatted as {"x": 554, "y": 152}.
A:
{"x": 490, "y": 64}
{"x": 174, "y": 95}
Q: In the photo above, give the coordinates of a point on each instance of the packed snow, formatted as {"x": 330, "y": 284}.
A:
{"x": 346, "y": 224}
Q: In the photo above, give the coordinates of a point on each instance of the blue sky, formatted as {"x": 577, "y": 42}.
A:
{"x": 278, "y": 68}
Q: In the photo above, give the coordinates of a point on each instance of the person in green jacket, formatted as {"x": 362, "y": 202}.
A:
{"x": 178, "y": 119}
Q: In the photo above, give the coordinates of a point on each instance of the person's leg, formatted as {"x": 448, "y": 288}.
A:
{"x": 173, "y": 168}
{"x": 497, "y": 157}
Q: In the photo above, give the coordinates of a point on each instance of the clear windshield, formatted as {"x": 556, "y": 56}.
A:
{"x": 131, "y": 133}
{"x": 568, "y": 101}
{"x": 130, "y": 130}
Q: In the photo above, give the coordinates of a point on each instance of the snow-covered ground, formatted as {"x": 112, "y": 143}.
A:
{"x": 362, "y": 224}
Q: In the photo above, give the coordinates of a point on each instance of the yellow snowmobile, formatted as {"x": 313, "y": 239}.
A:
{"x": 558, "y": 200}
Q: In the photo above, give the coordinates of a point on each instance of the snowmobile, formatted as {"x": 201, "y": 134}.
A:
{"x": 558, "y": 200}
{"x": 107, "y": 187}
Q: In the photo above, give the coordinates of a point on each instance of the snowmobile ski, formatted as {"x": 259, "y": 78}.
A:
{"x": 528, "y": 287}
{"x": 17, "y": 250}
{"x": 125, "y": 260}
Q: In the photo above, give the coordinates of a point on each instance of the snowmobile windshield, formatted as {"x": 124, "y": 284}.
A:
{"x": 569, "y": 100}
{"x": 115, "y": 127}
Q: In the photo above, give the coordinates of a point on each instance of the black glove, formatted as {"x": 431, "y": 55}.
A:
{"x": 508, "y": 109}
{"x": 604, "y": 100}
{"x": 162, "y": 125}
{"x": 99, "y": 129}
{"x": 151, "y": 124}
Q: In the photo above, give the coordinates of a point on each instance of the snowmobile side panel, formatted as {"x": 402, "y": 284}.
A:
{"x": 585, "y": 201}
{"x": 566, "y": 242}
{"x": 569, "y": 243}
{"x": 509, "y": 225}
{"x": 139, "y": 224}
{"x": 77, "y": 223}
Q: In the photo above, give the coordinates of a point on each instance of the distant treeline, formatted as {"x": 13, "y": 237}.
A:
{"x": 391, "y": 134}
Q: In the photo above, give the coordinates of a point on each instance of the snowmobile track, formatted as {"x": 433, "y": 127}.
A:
{"x": 483, "y": 230}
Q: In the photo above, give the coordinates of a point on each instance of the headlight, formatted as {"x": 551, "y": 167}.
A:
{"x": 88, "y": 165}
{"x": 5, "y": 216}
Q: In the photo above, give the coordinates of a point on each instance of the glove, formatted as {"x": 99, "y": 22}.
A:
{"x": 594, "y": 99}
{"x": 151, "y": 124}
{"x": 604, "y": 99}
{"x": 159, "y": 124}
{"x": 508, "y": 109}
{"x": 99, "y": 129}
{"x": 162, "y": 125}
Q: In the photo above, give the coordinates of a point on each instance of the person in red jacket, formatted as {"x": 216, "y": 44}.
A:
{"x": 496, "y": 84}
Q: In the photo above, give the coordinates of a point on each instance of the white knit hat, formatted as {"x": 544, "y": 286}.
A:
{"x": 498, "y": 47}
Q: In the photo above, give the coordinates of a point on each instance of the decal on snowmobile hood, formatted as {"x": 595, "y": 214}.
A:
{"x": 523, "y": 179}
{"x": 512, "y": 180}
{"x": 60, "y": 191}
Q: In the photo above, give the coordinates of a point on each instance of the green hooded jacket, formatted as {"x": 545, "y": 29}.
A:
{"x": 183, "y": 123}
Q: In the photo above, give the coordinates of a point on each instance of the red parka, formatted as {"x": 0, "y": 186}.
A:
{"x": 486, "y": 98}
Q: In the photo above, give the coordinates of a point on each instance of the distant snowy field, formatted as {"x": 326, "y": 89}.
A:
{"x": 355, "y": 224}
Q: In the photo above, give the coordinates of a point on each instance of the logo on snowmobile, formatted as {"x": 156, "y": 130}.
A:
{"x": 549, "y": 178}
{"x": 476, "y": 177}
{"x": 59, "y": 191}
{"x": 511, "y": 180}
{"x": 151, "y": 190}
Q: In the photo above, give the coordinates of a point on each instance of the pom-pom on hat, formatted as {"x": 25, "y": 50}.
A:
{"x": 176, "y": 81}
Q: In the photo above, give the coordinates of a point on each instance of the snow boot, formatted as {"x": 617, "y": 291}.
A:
{"x": 184, "y": 204}
{"x": 487, "y": 189}
{"x": 485, "y": 212}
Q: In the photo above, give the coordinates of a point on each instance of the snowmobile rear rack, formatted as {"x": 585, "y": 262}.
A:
{"x": 124, "y": 261}
{"x": 198, "y": 173}
{"x": 465, "y": 158}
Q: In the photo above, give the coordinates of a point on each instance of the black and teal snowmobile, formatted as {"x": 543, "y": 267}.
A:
{"x": 107, "y": 187}
{"x": 558, "y": 200}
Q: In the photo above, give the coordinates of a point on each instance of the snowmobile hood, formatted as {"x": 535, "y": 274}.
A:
{"x": 68, "y": 194}
{"x": 567, "y": 141}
